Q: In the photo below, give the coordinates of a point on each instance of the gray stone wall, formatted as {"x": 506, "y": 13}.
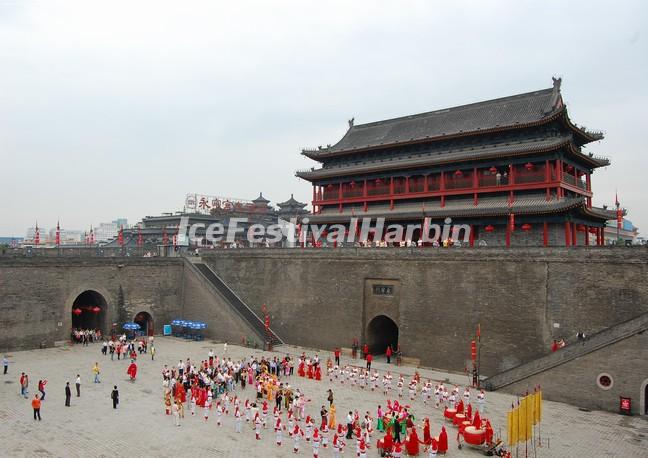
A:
{"x": 575, "y": 382}
{"x": 36, "y": 294}
{"x": 523, "y": 298}
{"x": 203, "y": 303}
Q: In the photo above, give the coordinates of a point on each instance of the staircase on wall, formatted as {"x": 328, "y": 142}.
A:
{"x": 571, "y": 352}
{"x": 235, "y": 302}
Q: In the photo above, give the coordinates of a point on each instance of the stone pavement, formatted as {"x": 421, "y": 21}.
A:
{"x": 90, "y": 427}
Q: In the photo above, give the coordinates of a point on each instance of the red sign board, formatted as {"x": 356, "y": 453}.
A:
{"x": 625, "y": 405}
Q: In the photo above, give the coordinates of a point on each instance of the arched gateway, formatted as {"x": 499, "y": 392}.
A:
{"x": 145, "y": 320}
{"x": 89, "y": 311}
{"x": 381, "y": 332}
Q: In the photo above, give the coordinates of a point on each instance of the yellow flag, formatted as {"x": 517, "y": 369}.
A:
{"x": 523, "y": 430}
{"x": 513, "y": 418}
{"x": 532, "y": 407}
{"x": 538, "y": 407}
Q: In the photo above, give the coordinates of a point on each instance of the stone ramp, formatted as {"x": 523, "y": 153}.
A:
{"x": 235, "y": 302}
{"x": 571, "y": 352}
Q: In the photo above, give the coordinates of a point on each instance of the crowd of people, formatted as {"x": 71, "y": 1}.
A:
{"x": 86, "y": 336}
{"x": 218, "y": 386}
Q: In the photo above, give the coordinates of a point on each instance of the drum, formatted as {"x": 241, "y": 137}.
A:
{"x": 463, "y": 426}
{"x": 450, "y": 413}
{"x": 458, "y": 419}
{"x": 474, "y": 436}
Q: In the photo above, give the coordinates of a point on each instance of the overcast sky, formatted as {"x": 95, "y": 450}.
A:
{"x": 118, "y": 109}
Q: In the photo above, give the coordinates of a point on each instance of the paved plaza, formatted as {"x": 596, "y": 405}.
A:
{"x": 139, "y": 427}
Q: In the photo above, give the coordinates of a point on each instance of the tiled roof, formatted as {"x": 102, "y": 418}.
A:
{"x": 515, "y": 111}
{"x": 292, "y": 202}
{"x": 492, "y": 206}
{"x": 518, "y": 109}
{"x": 443, "y": 157}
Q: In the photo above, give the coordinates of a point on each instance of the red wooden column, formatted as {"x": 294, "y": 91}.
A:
{"x": 475, "y": 184}
{"x": 426, "y": 185}
{"x": 548, "y": 178}
{"x": 471, "y": 239}
{"x": 588, "y": 185}
{"x": 603, "y": 236}
{"x": 587, "y": 235}
{"x": 567, "y": 233}
{"x": 364, "y": 193}
{"x": 545, "y": 234}
{"x": 391, "y": 193}
{"x": 340, "y": 196}
{"x": 573, "y": 232}
{"x": 314, "y": 199}
{"x": 559, "y": 177}
{"x": 442, "y": 188}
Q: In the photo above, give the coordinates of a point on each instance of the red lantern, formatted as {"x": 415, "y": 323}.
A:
{"x": 489, "y": 228}
{"x": 378, "y": 181}
{"x": 473, "y": 350}
{"x": 329, "y": 187}
{"x": 592, "y": 230}
{"x": 580, "y": 228}
{"x": 352, "y": 184}
{"x": 570, "y": 168}
{"x": 492, "y": 170}
{"x": 96, "y": 309}
{"x": 77, "y": 311}
{"x": 528, "y": 166}
{"x": 525, "y": 227}
{"x": 458, "y": 173}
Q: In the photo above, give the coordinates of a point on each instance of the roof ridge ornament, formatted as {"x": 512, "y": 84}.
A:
{"x": 350, "y": 121}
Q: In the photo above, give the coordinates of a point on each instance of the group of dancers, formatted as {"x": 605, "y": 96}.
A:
{"x": 208, "y": 387}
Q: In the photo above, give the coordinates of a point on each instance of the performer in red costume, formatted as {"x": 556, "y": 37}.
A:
{"x": 132, "y": 371}
{"x": 318, "y": 373}
{"x": 443, "y": 441}
{"x": 412, "y": 444}
{"x": 427, "y": 438}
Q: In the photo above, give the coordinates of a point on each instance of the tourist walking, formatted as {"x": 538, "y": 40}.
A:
{"x": 152, "y": 353}
{"x": 77, "y": 383}
{"x": 68, "y": 394}
{"x": 41, "y": 388}
{"x": 24, "y": 385}
{"x": 96, "y": 372}
{"x": 388, "y": 354}
{"x": 36, "y": 405}
{"x": 5, "y": 364}
{"x": 115, "y": 397}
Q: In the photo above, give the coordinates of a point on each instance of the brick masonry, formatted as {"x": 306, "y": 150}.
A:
{"x": 523, "y": 298}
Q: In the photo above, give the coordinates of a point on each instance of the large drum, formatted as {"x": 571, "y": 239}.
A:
{"x": 463, "y": 426}
{"x": 450, "y": 413}
{"x": 458, "y": 419}
{"x": 474, "y": 436}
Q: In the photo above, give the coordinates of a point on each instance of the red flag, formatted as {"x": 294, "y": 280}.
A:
{"x": 473, "y": 350}
{"x": 478, "y": 331}
{"x": 120, "y": 236}
{"x": 616, "y": 199}
{"x": 512, "y": 221}
{"x": 58, "y": 234}
{"x": 37, "y": 235}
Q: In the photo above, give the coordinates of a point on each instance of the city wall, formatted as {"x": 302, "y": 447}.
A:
{"x": 523, "y": 298}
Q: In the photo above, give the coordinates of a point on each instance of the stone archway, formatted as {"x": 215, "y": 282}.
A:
{"x": 381, "y": 332}
{"x": 145, "y": 320}
{"x": 89, "y": 311}
{"x": 643, "y": 397}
